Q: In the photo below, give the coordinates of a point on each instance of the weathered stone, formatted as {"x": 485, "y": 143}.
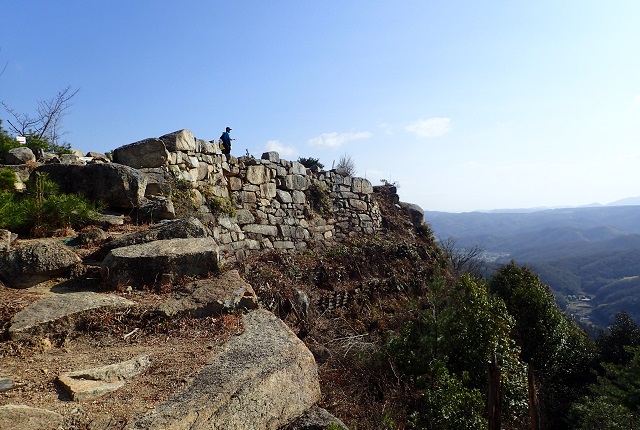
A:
{"x": 212, "y": 296}
{"x": 271, "y": 156}
{"x": 261, "y": 379}
{"x": 235, "y": 184}
{"x": 415, "y": 211}
{"x": 298, "y": 197}
{"x": 244, "y": 216}
{"x": 295, "y": 182}
{"x": 98, "y": 156}
{"x": 258, "y": 174}
{"x": 358, "y": 204}
{"x": 22, "y": 417}
{"x": 145, "y": 264}
{"x": 20, "y": 155}
{"x": 264, "y": 229}
{"x": 181, "y": 140}
{"x": 5, "y": 384}
{"x": 156, "y": 208}
{"x": 113, "y": 184}
{"x": 283, "y": 196}
{"x": 36, "y": 262}
{"x": 316, "y": 418}
{"x": 144, "y": 153}
{"x": 298, "y": 168}
{"x": 92, "y": 383}
{"x": 176, "y": 229}
{"x": 268, "y": 190}
{"x": 36, "y": 318}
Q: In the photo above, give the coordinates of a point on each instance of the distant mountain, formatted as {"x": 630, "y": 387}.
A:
{"x": 626, "y": 202}
{"x": 589, "y": 256}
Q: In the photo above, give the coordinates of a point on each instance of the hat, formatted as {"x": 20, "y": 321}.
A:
{"x": 228, "y": 128}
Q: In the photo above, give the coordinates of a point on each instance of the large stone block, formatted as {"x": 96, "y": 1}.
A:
{"x": 264, "y": 229}
{"x": 144, "y": 153}
{"x": 262, "y": 380}
{"x": 295, "y": 182}
{"x": 152, "y": 263}
{"x": 258, "y": 174}
{"x": 181, "y": 140}
{"x": 113, "y": 184}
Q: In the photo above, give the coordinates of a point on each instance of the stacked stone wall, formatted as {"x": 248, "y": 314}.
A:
{"x": 278, "y": 204}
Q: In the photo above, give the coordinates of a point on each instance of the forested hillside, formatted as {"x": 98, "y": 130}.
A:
{"x": 588, "y": 256}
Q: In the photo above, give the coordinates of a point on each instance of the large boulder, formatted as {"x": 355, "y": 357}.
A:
{"x": 181, "y": 140}
{"x": 260, "y": 380}
{"x": 212, "y": 296}
{"x": 159, "y": 262}
{"x": 113, "y": 184}
{"x": 36, "y": 262}
{"x": 60, "y": 309}
{"x": 145, "y": 153}
{"x": 415, "y": 212}
{"x": 21, "y": 155}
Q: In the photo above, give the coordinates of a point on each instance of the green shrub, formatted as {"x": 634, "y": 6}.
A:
{"x": 7, "y": 180}
{"x": 222, "y": 205}
{"x": 44, "y": 209}
{"x": 318, "y": 197}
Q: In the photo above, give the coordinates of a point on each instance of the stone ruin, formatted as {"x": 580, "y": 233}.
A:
{"x": 248, "y": 204}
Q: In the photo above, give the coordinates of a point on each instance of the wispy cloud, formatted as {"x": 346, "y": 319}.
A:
{"x": 280, "y": 148}
{"x": 335, "y": 140}
{"x": 431, "y": 127}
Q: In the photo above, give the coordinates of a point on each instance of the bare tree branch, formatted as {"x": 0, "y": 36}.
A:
{"x": 47, "y": 123}
{"x": 463, "y": 260}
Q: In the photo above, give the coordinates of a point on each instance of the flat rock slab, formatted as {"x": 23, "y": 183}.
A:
{"x": 36, "y": 318}
{"x": 92, "y": 383}
{"x": 261, "y": 379}
{"x": 212, "y": 296}
{"x": 5, "y": 384}
{"x": 154, "y": 262}
{"x": 36, "y": 262}
{"x": 22, "y": 417}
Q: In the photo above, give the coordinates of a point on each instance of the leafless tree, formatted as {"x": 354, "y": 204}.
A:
{"x": 468, "y": 260}
{"x": 347, "y": 165}
{"x": 47, "y": 122}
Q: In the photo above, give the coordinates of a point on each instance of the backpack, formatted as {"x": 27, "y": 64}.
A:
{"x": 222, "y": 142}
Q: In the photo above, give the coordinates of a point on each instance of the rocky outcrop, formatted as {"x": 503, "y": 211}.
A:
{"x": 89, "y": 384}
{"x": 116, "y": 185}
{"x": 60, "y": 308}
{"x": 159, "y": 262}
{"x": 261, "y": 379}
{"x": 212, "y": 296}
{"x": 33, "y": 263}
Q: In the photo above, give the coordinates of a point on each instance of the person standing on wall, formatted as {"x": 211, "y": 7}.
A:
{"x": 225, "y": 146}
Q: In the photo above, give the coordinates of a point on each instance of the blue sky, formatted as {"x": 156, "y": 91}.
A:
{"x": 468, "y": 105}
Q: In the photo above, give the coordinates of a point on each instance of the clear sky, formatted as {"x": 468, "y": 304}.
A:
{"x": 467, "y": 105}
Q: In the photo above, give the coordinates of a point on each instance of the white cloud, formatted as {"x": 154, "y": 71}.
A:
{"x": 335, "y": 140}
{"x": 387, "y": 129}
{"x": 431, "y": 127}
{"x": 280, "y": 148}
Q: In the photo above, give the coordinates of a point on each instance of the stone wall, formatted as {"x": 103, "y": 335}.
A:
{"x": 278, "y": 204}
